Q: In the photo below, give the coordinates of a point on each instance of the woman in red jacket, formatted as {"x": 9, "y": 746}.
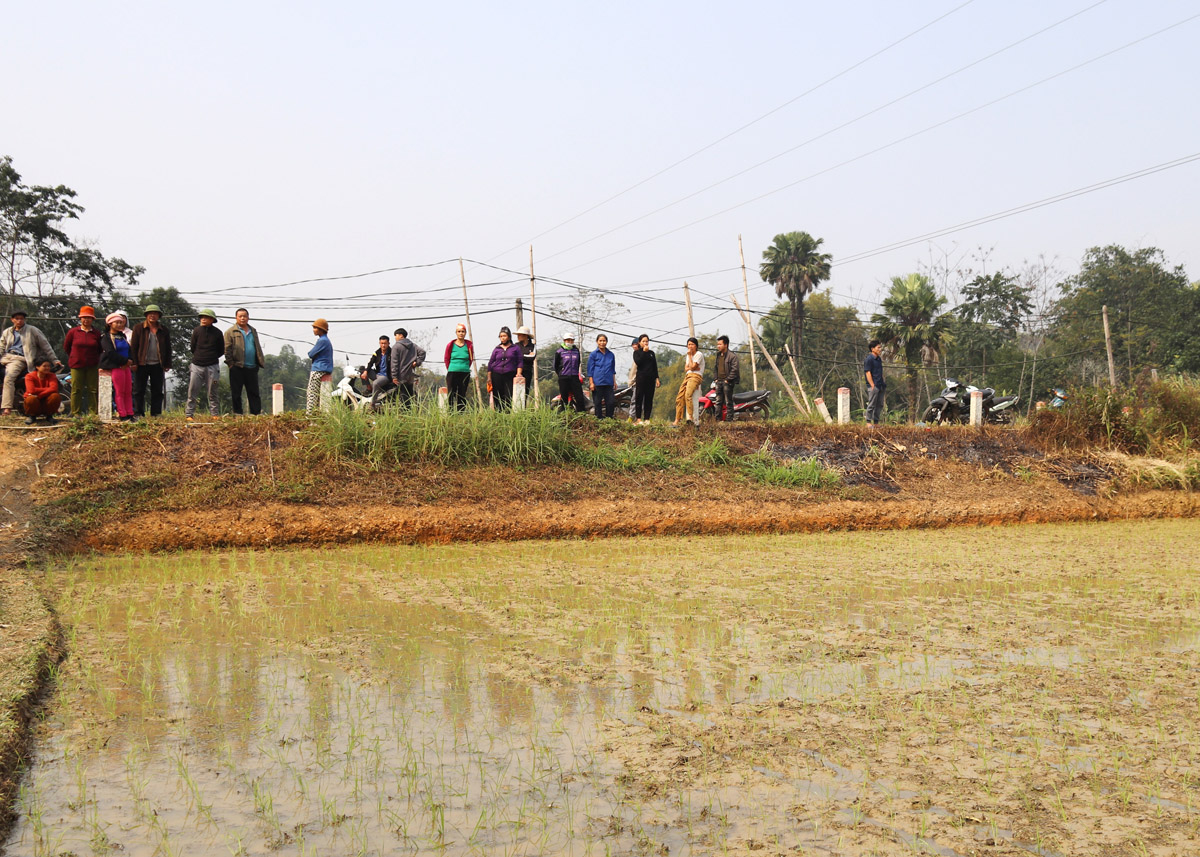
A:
{"x": 83, "y": 356}
{"x": 41, "y": 394}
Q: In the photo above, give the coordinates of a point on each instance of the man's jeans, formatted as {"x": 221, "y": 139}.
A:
{"x": 875, "y": 404}
{"x": 206, "y": 378}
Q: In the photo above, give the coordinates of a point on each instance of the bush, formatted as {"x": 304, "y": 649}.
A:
{"x": 797, "y": 473}
{"x": 1158, "y": 418}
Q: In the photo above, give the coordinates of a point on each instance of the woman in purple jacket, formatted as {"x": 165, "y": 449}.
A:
{"x": 507, "y": 360}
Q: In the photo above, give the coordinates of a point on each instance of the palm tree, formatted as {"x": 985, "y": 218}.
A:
{"x": 910, "y": 325}
{"x": 793, "y": 265}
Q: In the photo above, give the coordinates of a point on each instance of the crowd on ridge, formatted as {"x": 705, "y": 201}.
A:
{"x": 138, "y": 358}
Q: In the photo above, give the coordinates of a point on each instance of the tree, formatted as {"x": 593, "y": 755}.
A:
{"x": 37, "y": 257}
{"x": 834, "y": 346}
{"x": 286, "y": 368}
{"x": 912, "y": 329}
{"x": 585, "y": 313}
{"x": 793, "y": 265}
{"x": 1146, "y": 300}
{"x": 995, "y": 308}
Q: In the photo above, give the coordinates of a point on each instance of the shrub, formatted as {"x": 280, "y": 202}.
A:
{"x": 797, "y": 473}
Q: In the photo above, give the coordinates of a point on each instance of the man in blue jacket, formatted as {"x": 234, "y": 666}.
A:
{"x": 568, "y": 367}
{"x": 602, "y": 372}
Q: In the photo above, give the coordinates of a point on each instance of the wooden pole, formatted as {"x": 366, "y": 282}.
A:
{"x": 537, "y": 399}
{"x": 520, "y": 313}
{"x": 787, "y": 388}
{"x": 807, "y": 407}
{"x": 687, "y": 296}
{"x": 1112, "y": 366}
{"x": 467, "y": 311}
{"x": 746, "y": 296}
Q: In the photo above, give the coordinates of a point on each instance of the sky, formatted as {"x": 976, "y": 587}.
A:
{"x": 231, "y": 147}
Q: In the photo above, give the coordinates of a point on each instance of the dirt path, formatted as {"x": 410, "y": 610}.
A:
{"x": 29, "y": 634}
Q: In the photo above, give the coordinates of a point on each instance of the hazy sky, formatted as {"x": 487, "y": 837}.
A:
{"x": 227, "y": 146}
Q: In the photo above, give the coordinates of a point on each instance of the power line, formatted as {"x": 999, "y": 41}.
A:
{"x": 741, "y": 128}
{"x": 893, "y": 143}
{"x": 829, "y": 131}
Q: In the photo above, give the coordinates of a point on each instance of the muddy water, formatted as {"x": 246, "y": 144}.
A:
{"x": 844, "y": 694}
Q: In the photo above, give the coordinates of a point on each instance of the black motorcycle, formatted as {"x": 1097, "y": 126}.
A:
{"x": 953, "y": 405}
{"x": 622, "y": 401}
{"x": 744, "y": 404}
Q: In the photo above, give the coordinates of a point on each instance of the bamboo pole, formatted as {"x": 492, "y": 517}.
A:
{"x": 471, "y": 336}
{"x": 787, "y": 388}
{"x": 807, "y": 407}
{"x": 687, "y": 296}
{"x": 537, "y": 399}
{"x": 1112, "y": 366}
{"x": 746, "y": 296}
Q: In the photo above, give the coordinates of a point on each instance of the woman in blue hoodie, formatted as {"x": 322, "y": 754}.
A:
{"x": 321, "y": 355}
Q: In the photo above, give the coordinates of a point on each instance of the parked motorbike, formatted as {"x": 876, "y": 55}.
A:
{"x": 352, "y": 391}
{"x": 622, "y": 401}
{"x": 1060, "y": 397}
{"x": 744, "y": 404}
{"x": 997, "y": 410}
{"x": 953, "y": 405}
{"x": 948, "y": 407}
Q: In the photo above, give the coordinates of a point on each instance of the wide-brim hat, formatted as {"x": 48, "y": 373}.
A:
{"x": 209, "y": 313}
{"x": 321, "y": 324}
{"x": 523, "y": 330}
{"x": 87, "y": 312}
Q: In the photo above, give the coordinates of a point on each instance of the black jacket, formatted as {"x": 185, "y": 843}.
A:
{"x": 208, "y": 345}
{"x": 109, "y": 358}
{"x": 647, "y": 367}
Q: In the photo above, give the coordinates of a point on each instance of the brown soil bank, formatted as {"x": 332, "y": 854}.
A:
{"x": 264, "y": 482}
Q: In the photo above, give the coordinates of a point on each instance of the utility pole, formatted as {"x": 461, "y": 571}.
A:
{"x": 1112, "y": 366}
{"x": 687, "y": 296}
{"x": 746, "y": 295}
{"x": 537, "y": 400}
{"x": 467, "y": 310}
{"x": 520, "y": 313}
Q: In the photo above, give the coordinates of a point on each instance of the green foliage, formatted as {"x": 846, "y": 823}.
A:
{"x": 713, "y": 453}
{"x": 1147, "y": 304}
{"x": 1157, "y": 419}
{"x": 627, "y": 457}
{"x": 427, "y": 434}
{"x": 834, "y": 345}
{"x": 287, "y": 368}
{"x": 797, "y": 473}
{"x": 37, "y": 257}
{"x": 913, "y": 329}
{"x": 794, "y": 265}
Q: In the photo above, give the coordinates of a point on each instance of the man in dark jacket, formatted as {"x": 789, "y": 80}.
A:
{"x": 208, "y": 345}
{"x": 150, "y": 344}
{"x": 378, "y": 364}
{"x": 726, "y": 366}
{"x": 244, "y": 357}
{"x": 567, "y": 367}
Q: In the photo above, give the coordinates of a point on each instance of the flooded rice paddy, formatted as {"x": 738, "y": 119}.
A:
{"x": 1018, "y": 690}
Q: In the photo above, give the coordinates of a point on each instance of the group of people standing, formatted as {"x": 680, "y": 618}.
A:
{"x": 136, "y": 359}
{"x": 512, "y": 362}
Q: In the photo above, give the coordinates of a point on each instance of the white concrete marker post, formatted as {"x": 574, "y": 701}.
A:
{"x": 443, "y": 399}
{"x": 843, "y": 405}
{"x": 977, "y": 408}
{"x": 696, "y": 406}
{"x": 104, "y": 406}
{"x": 277, "y": 399}
{"x": 518, "y": 403}
{"x": 326, "y": 393}
{"x": 822, "y": 410}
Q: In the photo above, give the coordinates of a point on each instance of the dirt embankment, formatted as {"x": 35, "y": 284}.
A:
{"x": 257, "y": 483}
{"x": 30, "y": 638}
